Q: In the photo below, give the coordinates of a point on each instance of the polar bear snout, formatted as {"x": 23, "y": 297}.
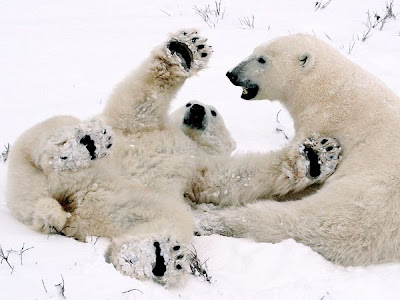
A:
{"x": 232, "y": 77}
{"x": 250, "y": 88}
{"x": 195, "y": 117}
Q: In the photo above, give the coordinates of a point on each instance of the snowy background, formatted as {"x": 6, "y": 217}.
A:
{"x": 64, "y": 57}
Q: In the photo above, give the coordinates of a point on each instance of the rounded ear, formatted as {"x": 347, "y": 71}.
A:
{"x": 306, "y": 60}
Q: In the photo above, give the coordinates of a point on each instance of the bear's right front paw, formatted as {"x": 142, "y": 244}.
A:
{"x": 190, "y": 49}
{"x": 76, "y": 148}
{"x": 321, "y": 155}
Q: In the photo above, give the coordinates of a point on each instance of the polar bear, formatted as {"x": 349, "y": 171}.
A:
{"x": 124, "y": 173}
{"x": 353, "y": 218}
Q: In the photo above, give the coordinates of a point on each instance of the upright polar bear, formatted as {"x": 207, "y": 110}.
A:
{"x": 124, "y": 173}
{"x": 354, "y": 218}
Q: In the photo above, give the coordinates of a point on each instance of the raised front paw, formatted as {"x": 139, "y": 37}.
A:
{"x": 77, "y": 147}
{"x": 321, "y": 155}
{"x": 160, "y": 259}
{"x": 189, "y": 49}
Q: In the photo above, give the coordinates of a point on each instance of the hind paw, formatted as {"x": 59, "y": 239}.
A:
{"x": 189, "y": 49}
{"x": 160, "y": 259}
{"x": 321, "y": 155}
{"x": 77, "y": 147}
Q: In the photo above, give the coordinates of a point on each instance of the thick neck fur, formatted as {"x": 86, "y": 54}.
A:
{"x": 348, "y": 103}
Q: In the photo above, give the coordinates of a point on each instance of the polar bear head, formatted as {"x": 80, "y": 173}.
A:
{"x": 277, "y": 69}
{"x": 204, "y": 125}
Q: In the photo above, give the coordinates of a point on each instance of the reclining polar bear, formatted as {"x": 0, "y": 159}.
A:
{"x": 124, "y": 173}
{"x": 353, "y": 219}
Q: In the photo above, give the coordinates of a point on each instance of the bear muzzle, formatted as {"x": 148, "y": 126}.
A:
{"x": 195, "y": 117}
{"x": 250, "y": 89}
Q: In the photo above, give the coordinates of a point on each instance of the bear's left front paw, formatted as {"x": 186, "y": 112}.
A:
{"x": 161, "y": 259}
{"x": 321, "y": 155}
{"x": 190, "y": 49}
{"x": 77, "y": 147}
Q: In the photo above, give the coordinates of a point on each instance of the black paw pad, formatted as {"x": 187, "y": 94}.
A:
{"x": 90, "y": 146}
{"x": 183, "y": 52}
{"x": 315, "y": 167}
{"x": 178, "y": 267}
{"x": 159, "y": 268}
{"x": 176, "y": 248}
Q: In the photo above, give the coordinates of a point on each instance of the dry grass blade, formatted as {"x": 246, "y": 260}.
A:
{"x": 4, "y": 154}
{"x": 197, "y": 267}
{"x": 4, "y": 257}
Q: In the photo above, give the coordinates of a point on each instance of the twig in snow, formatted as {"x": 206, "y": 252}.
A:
{"x": 281, "y": 130}
{"x": 211, "y": 15}
{"x": 197, "y": 267}
{"x": 165, "y": 12}
{"x": 21, "y": 251}
{"x": 61, "y": 286}
{"x": 132, "y": 290}
{"x": 351, "y": 46}
{"x": 323, "y": 297}
{"x": 44, "y": 286}
{"x": 329, "y": 38}
{"x": 4, "y": 257}
{"x": 59, "y": 232}
{"x": 4, "y": 154}
{"x": 277, "y": 116}
{"x": 320, "y": 5}
{"x": 247, "y": 22}
{"x": 374, "y": 20}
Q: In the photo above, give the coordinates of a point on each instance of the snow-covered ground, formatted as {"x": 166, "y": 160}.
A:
{"x": 64, "y": 57}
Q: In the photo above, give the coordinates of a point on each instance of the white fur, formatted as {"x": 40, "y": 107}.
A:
{"x": 133, "y": 190}
{"x": 353, "y": 219}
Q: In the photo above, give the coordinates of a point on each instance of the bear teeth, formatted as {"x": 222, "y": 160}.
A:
{"x": 245, "y": 91}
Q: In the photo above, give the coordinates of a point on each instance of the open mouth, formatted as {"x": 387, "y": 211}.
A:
{"x": 249, "y": 92}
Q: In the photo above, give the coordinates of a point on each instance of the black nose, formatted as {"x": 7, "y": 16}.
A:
{"x": 232, "y": 77}
{"x": 197, "y": 110}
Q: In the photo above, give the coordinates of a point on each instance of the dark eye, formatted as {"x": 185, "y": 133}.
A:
{"x": 261, "y": 60}
{"x": 214, "y": 113}
{"x": 189, "y": 104}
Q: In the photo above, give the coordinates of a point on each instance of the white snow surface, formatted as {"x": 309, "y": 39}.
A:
{"x": 64, "y": 57}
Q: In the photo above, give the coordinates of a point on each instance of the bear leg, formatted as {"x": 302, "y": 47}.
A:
{"x": 141, "y": 101}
